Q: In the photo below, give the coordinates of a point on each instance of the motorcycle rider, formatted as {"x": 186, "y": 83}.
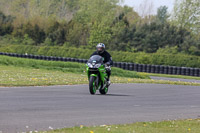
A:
{"x": 107, "y": 58}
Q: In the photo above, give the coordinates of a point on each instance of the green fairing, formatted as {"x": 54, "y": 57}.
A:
{"x": 102, "y": 79}
{"x": 103, "y": 73}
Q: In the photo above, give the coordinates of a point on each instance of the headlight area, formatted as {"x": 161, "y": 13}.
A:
{"x": 90, "y": 65}
{"x": 93, "y": 65}
{"x": 97, "y": 65}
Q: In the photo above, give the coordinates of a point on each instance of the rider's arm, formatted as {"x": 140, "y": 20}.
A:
{"x": 109, "y": 58}
{"x": 111, "y": 61}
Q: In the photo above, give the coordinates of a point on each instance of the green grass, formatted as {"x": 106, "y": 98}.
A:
{"x": 77, "y": 68}
{"x": 19, "y": 76}
{"x": 170, "y": 76}
{"x": 29, "y": 72}
{"x": 22, "y": 76}
{"x": 181, "y": 126}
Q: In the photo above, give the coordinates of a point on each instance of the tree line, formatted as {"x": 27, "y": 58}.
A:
{"x": 84, "y": 23}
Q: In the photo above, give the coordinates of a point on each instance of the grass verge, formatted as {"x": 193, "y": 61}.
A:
{"x": 22, "y": 76}
{"x": 170, "y": 76}
{"x": 29, "y": 72}
{"x": 181, "y": 126}
{"x": 72, "y": 67}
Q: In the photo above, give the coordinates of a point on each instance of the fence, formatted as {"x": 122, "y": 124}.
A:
{"x": 172, "y": 70}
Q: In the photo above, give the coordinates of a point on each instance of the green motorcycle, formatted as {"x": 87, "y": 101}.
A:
{"x": 97, "y": 76}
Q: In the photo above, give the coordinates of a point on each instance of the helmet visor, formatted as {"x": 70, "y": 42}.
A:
{"x": 99, "y": 49}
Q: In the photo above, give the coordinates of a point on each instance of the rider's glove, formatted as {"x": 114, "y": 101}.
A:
{"x": 108, "y": 63}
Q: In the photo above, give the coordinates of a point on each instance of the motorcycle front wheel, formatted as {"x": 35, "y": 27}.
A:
{"x": 92, "y": 86}
{"x": 104, "y": 91}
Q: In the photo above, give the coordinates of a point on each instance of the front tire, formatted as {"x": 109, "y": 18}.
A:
{"x": 104, "y": 91}
{"x": 92, "y": 86}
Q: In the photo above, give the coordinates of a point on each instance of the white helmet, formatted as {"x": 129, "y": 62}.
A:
{"x": 100, "y": 48}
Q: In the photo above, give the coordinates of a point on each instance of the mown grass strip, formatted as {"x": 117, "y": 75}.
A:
{"x": 180, "y": 126}
{"x": 62, "y": 66}
{"x": 23, "y": 76}
{"x": 170, "y": 76}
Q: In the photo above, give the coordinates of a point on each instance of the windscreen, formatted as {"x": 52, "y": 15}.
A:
{"x": 96, "y": 58}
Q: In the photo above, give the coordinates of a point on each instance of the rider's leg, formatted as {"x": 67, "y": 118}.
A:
{"x": 109, "y": 73}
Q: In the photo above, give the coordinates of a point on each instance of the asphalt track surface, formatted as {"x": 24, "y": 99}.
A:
{"x": 43, "y": 108}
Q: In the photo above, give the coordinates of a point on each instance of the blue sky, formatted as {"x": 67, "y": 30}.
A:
{"x": 157, "y": 3}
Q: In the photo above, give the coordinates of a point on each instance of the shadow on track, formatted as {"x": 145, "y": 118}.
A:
{"x": 116, "y": 95}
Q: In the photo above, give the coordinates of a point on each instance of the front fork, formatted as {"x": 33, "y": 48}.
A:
{"x": 97, "y": 81}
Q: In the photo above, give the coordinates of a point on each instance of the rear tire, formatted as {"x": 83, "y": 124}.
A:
{"x": 92, "y": 86}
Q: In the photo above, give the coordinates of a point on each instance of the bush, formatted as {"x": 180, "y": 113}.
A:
{"x": 5, "y": 24}
{"x": 141, "y": 58}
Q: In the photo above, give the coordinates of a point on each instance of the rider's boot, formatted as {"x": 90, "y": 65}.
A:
{"x": 108, "y": 82}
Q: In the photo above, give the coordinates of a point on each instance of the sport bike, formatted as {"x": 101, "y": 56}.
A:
{"x": 97, "y": 76}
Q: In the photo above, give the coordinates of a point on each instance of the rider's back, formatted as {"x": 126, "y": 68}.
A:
{"x": 107, "y": 57}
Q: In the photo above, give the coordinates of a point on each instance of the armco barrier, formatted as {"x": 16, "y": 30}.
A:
{"x": 127, "y": 66}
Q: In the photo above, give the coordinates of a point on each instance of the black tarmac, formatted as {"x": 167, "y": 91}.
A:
{"x": 25, "y": 109}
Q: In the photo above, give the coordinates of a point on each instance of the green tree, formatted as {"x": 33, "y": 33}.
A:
{"x": 162, "y": 14}
{"x": 5, "y": 24}
{"x": 187, "y": 14}
{"x": 99, "y": 33}
{"x": 61, "y": 9}
{"x": 97, "y": 16}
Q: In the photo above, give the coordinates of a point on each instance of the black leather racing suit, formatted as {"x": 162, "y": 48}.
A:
{"x": 107, "y": 58}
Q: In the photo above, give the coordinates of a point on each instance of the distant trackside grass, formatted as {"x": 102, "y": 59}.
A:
{"x": 170, "y": 76}
{"x": 62, "y": 66}
{"x": 28, "y": 72}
